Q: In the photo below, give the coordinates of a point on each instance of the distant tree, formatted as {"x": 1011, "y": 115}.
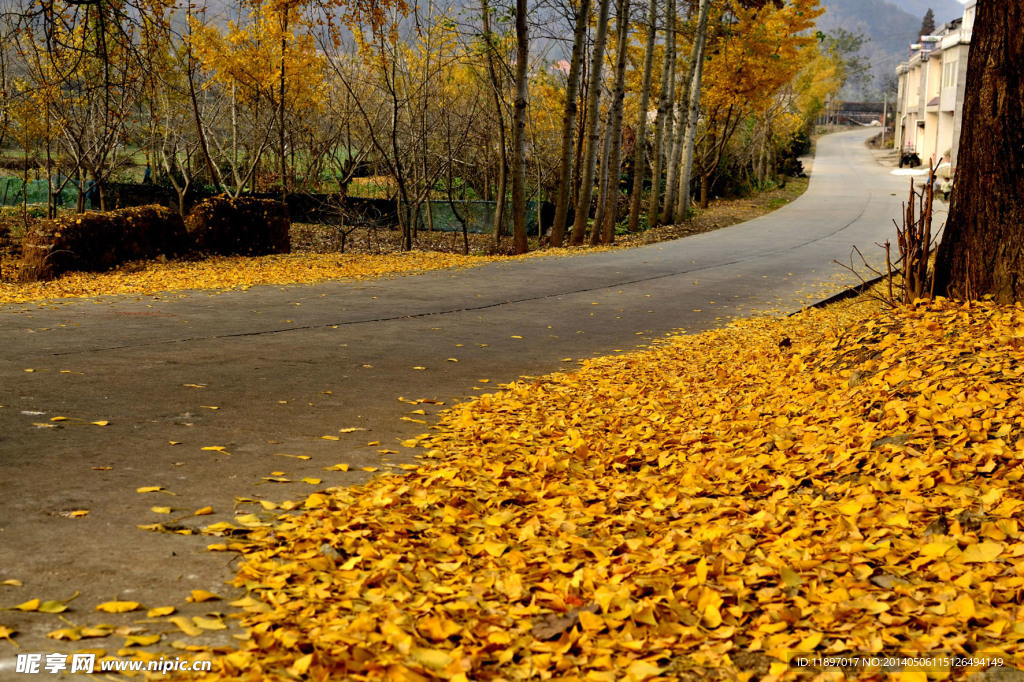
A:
{"x": 846, "y": 46}
{"x": 928, "y": 23}
{"x": 982, "y": 249}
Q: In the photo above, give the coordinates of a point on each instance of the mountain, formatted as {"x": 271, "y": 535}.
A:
{"x": 891, "y": 28}
{"x": 945, "y": 10}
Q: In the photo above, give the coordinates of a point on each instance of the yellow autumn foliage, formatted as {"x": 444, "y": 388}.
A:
{"x": 717, "y": 502}
{"x": 230, "y": 272}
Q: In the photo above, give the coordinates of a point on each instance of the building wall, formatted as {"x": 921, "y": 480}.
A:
{"x": 935, "y": 75}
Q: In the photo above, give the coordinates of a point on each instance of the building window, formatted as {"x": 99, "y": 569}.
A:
{"x": 949, "y": 74}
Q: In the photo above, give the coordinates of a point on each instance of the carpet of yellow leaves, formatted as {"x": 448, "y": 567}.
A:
{"x": 231, "y": 272}
{"x": 846, "y": 480}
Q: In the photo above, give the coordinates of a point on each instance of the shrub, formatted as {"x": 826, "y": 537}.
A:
{"x": 243, "y": 226}
{"x": 100, "y": 241}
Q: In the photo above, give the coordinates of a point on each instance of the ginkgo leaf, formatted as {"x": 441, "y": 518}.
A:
{"x": 12, "y": 582}
{"x": 96, "y": 630}
{"x": 214, "y": 448}
{"x": 7, "y": 633}
{"x": 141, "y": 640}
{"x": 66, "y": 634}
{"x": 118, "y": 606}
{"x": 199, "y": 596}
{"x": 351, "y": 429}
{"x": 186, "y": 625}
{"x": 53, "y": 606}
{"x": 160, "y": 510}
{"x": 203, "y": 511}
{"x": 150, "y": 489}
{"x": 209, "y": 623}
{"x": 982, "y": 552}
{"x": 160, "y": 611}
{"x": 337, "y": 467}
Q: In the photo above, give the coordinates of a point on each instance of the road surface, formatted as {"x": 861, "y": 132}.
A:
{"x": 269, "y": 371}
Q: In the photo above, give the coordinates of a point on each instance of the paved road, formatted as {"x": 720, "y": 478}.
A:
{"x": 284, "y": 366}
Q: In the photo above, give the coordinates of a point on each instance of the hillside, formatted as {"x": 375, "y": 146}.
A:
{"x": 891, "y": 29}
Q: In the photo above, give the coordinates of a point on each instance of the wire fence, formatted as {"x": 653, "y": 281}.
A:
{"x": 15, "y": 192}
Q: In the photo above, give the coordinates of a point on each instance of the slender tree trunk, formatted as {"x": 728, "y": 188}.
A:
{"x": 572, "y": 87}
{"x": 280, "y": 107}
{"x": 602, "y": 183}
{"x": 611, "y": 206}
{"x": 664, "y": 107}
{"x": 519, "y": 132}
{"x": 640, "y": 153}
{"x": 588, "y": 167}
{"x": 683, "y": 206}
{"x": 682, "y": 115}
{"x": 499, "y": 209}
{"x": 982, "y": 249}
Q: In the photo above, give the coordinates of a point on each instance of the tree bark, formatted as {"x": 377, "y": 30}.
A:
{"x": 588, "y": 167}
{"x": 675, "y": 155}
{"x": 982, "y": 249}
{"x": 683, "y": 205}
{"x": 640, "y": 153}
{"x": 572, "y": 87}
{"x": 664, "y": 107}
{"x": 499, "y": 209}
{"x": 611, "y": 206}
{"x": 519, "y": 132}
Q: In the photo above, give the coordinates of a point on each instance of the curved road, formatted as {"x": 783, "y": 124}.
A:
{"x": 285, "y": 366}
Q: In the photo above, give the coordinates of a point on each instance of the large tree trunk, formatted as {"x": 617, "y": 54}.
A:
{"x": 982, "y": 250}
{"x": 683, "y": 204}
{"x": 668, "y": 87}
{"x": 639, "y": 154}
{"x": 588, "y": 167}
{"x": 519, "y": 132}
{"x": 611, "y": 206}
{"x": 572, "y": 88}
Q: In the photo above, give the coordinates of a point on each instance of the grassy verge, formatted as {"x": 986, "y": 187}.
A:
{"x": 368, "y": 254}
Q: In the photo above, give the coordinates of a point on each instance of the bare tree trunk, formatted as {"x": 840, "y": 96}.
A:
{"x": 683, "y": 207}
{"x": 588, "y": 167}
{"x": 640, "y": 153}
{"x": 611, "y": 207}
{"x": 572, "y": 87}
{"x": 280, "y": 106}
{"x": 602, "y": 183}
{"x": 675, "y": 162}
{"x": 982, "y": 249}
{"x": 519, "y": 132}
{"x": 499, "y": 209}
{"x": 664, "y": 107}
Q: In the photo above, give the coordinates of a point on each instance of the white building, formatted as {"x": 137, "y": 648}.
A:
{"x": 929, "y": 103}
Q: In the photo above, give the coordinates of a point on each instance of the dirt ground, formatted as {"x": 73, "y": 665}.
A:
{"x": 720, "y": 213}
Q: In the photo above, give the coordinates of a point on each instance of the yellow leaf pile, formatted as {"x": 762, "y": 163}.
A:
{"x": 231, "y": 272}
{"x": 715, "y": 504}
{"x": 242, "y": 272}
